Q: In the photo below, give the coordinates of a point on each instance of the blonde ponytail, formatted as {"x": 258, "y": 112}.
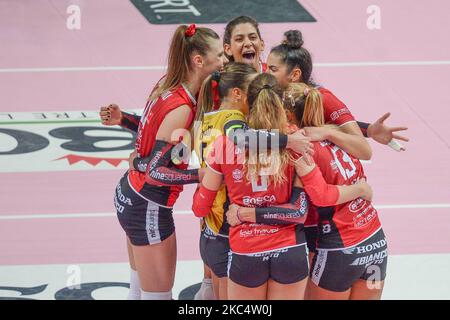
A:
{"x": 267, "y": 112}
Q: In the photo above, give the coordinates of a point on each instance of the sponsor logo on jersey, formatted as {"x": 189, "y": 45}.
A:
{"x": 356, "y": 205}
{"x": 255, "y": 230}
{"x": 365, "y": 217}
{"x": 142, "y": 167}
{"x": 155, "y": 160}
{"x": 336, "y": 114}
{"x": 122, "y": 198}
{"x": 273, "y": 254}
{"x": 366, "y": 248}
{"x": 237, "y": 175}
{"x": 258, "y": 201}
{"x": 151, "y": 227}
{"x": 375, "y": 258}
{"x": 372, "y": 246}
{"x": 319, "y": 266}
{"x": 169, "y": 177}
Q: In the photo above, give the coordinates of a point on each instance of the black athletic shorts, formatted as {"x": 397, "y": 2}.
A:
{"x": 145, "y": 222}
{"x": 214, "y": 251}
{"x": 311, "y": 233}
{"x": 285, "y": 266}
{"x": 337, "y": 270}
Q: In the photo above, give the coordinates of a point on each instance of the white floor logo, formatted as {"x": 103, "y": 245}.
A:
{"x": 55, "y": 141}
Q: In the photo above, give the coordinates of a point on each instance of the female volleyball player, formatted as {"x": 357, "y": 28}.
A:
{"x": 351, "y": 257}
{"x": 290, "y": 62}
{"x": 232, "y": 89}
{"x": 144, "y": 200}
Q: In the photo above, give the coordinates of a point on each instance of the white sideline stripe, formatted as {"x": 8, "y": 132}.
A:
{"x": 159, "y": 68}
{"x": 78, "y": 69}
{"x": 69, "y": 215}
{"x": 182, "y": 212}
{"x": 381, "y": 64}
{"x": 414, "y": 206}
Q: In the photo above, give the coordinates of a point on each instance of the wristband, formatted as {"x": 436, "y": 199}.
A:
{"x": 394, "y": 144}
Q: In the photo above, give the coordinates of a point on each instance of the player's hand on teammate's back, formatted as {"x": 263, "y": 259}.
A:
{"x": 300, "y": 143}
{"x": 316, "y": 133}
{"x": 110, "y": 115}
{"x": 383, "y": 134}
{"x": 367, "y": 189}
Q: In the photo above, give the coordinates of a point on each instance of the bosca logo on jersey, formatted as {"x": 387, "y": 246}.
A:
{"x": 257, "y": 201}
{"x": 205, "y": 11}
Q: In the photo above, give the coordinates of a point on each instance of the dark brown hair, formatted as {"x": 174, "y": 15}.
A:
{"x": 292, "y": 53}
{"x": 235, "y": 75}
{"x": 233, "y": 23}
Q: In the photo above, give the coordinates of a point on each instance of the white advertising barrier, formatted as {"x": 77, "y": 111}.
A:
{"x": 56, "y": 141}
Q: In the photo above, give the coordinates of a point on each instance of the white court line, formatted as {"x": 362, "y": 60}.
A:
{"x": 189, "y": 212}
{"x": 382, "y": 64}
{"x": 414, "y": 206}
{"x": 159, "y": 68}
{"x": 78, "y": 69}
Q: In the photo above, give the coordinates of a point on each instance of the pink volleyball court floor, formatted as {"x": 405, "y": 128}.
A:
{"x": 57, "y": 220}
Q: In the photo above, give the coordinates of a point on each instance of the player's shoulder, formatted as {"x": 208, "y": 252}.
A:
{"x": 177, "y": 96}
{"x": 328, "y": 96}
{"x": 233, "y": 115}
{"x": 225, "y": 114}
{"x": 223, "y": 119}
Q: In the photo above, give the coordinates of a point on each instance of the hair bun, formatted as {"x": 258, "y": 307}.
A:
{"x": 293, "y": 39}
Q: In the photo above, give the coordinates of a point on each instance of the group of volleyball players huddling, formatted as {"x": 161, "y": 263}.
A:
{"x": 285, "y": 208}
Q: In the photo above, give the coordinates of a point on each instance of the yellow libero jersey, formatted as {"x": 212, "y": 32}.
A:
{"x": 215, "y": 124}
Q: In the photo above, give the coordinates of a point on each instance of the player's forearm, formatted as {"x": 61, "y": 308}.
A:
{"x": 130, "y": 121}
{"x": 349, "y": 193}
{"x": 160, "y": 170}
{"x": 355, "y": 145}
{"x": 293, "y": 212}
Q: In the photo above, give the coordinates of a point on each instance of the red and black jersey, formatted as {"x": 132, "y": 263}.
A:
{"x": 350, "y": 223}
{"x": 312, "y": 219}
{"x": 152, "y": 117}
{"x": 247, "y": 238}
{"x": 335, "y": 111}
